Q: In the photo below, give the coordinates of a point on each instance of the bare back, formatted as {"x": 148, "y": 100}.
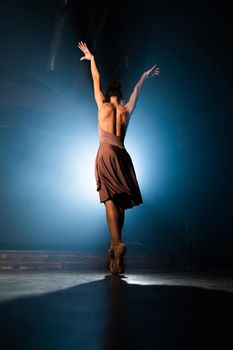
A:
{"x": 113, "y": 118}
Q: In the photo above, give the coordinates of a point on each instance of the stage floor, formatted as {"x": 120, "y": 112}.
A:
{"x": 69, "y": 310}
{"x": 22, "y": 284}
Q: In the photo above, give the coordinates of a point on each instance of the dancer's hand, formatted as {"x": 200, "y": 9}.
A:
{"x": 153, "y": 71}
{"x": 87, "y": 54}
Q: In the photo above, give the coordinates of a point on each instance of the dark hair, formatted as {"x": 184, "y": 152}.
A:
{"x": 114, "y": 89}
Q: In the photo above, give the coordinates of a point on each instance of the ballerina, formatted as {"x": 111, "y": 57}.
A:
{"x": 115, "y": 175}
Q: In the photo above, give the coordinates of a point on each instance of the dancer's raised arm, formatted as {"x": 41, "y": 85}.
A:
{"x": 99, "y": 96}
{"x": 130, "y": 105}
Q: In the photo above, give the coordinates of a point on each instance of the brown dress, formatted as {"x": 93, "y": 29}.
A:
{"x": 114, "y": 171}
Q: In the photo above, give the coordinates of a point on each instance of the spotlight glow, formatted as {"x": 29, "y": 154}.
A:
{"x": 79, "y": 169}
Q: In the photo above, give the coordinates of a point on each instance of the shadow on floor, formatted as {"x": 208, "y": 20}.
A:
{"x": 111, "y": 314}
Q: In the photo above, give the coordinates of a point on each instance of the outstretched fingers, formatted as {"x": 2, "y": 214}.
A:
{"x": 81, "y": 46}
{"x": 154, "y": 71}
{"x": 87, "y": 54}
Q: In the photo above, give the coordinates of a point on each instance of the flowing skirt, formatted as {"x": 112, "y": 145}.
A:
{"x": 116, "y": 177}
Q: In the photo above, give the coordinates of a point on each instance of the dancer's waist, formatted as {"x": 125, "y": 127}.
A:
{"x": 117, "y": 143}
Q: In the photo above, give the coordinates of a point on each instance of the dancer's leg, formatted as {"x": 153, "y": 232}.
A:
{"x": 115, "y": 218}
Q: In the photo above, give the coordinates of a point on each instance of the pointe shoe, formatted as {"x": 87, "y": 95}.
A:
{"x": 111, "y": 259}
{"x": 119, "y": 251}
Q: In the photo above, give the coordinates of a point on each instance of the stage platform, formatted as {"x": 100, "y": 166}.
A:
{"x": 136, "y": 310}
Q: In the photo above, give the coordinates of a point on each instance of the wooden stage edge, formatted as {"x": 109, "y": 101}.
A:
{"x": 57, "y": 260}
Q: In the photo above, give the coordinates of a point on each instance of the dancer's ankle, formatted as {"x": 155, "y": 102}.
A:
{"x": 116, "y": 242}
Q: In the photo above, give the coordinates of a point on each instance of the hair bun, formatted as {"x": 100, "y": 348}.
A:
{"x": 114, "y": 89}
